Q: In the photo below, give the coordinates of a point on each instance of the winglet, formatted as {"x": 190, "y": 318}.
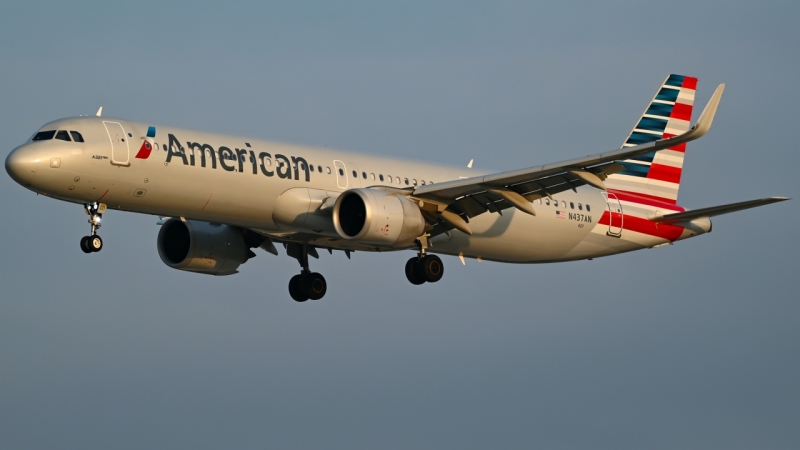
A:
{"x": 707, "y": 116}
{"x": 99, "y": 112}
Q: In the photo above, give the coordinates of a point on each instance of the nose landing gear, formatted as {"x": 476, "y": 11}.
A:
{"x": 93, "y": 243}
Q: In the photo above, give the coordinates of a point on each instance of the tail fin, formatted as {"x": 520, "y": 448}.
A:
{"x": 657, "y": 175}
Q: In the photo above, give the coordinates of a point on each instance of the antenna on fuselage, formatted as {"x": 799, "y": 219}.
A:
{"x": 99, "y": 112}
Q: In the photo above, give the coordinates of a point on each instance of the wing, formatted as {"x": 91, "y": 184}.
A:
{"x": 451, "y": 204}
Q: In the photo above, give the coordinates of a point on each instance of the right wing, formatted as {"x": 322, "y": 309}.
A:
{"x": 451, "y": 204}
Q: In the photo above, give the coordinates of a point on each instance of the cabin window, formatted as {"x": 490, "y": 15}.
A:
{"x": 380, "y": 177}
{"x": 406, "y": 180}
{"x": 422, "y": 182}
{"x": 547, "y": 201}
{"x": 77, "y": 136}
{"x": 580, "y": 207}
{"x": 414, "y": 181}
{"x": 355, "y": 174}
{"x": 588, "y": 208}
{"x": 44, "y": 135}
{"x": 563, "y": 204}
{"x": 63, "y": 135}
{"x": 398, "y": 180}
{"x": 364, "y": 175}
{"x": 372, "y": 176}
{"x": 571, "y": 205}
{"x": 311, "y": 167}
{"x": 341, "y": 172}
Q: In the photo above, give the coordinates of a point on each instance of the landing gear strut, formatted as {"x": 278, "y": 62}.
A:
{"x": 424, "y": 267}
{"x": 93, "y": 242}
{"x": 307, "y": 285}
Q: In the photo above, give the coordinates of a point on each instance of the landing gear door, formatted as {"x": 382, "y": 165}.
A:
{"x": 120, "y": 153}
{"x": 615, "y": 214}
{"x": 341, "y": 174}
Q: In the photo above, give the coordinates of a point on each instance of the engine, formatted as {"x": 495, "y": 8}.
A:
{"x": 202, "y": 247}
{"x": 377, "y": 217}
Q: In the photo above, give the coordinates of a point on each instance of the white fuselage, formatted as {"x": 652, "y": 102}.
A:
{"x": 238, "y": 181}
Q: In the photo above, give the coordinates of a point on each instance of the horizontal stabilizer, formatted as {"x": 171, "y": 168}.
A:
{"x": 716, "y": 210}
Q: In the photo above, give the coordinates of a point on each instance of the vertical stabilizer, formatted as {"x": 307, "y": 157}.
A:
{"x": 657, "y": 175}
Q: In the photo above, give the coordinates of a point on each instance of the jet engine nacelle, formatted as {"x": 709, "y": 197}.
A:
{"x": 202, "y": 247}
{"x": 377, "y": 217}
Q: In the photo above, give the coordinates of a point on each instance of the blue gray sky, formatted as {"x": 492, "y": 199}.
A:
{"x": 687, "y": 346}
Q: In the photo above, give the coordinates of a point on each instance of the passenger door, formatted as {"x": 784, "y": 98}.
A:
{"x": 120, "y": 153}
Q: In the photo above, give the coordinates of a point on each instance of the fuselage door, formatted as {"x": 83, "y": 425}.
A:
{"x": 615, "y": 214}
{"x": 120, "y": 154}
{"x": 341, "y": 174}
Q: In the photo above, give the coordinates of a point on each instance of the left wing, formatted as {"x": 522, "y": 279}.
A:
{"x": 451, "y": 204}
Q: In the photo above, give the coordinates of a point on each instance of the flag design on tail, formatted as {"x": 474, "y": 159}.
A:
{"x": 657, "y": 176}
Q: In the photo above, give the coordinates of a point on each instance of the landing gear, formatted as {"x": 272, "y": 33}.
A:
{"x": 93, "y": 243}
{"x": 307, "y": 285}
{"x": 424, "y": 267}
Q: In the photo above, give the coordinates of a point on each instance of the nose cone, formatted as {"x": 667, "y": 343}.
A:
{"x": 22, "y": 164}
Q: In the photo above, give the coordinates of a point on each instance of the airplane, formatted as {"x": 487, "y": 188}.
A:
{"x": 220, "y": 196}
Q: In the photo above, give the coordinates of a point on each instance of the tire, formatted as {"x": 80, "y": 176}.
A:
{"x": 85, "y": 244}
{"x": 315, "y": 285}
{"x": 296, "y": 289}
{"x": 95, "y": 243}
{"x": 413, "y": 272}
{"x": 432, "y": 268}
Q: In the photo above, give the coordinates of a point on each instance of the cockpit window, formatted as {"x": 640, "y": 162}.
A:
{"x": 44, "y": 135}
{"x": 76, "y": 136}
{"x": 63, "y": 135}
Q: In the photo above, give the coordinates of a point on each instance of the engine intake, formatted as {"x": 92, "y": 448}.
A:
{"x": 202, "y": 247}
{"x": 377, "y": 217}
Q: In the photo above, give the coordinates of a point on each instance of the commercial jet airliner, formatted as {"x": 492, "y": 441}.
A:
{"x": 221, "y": 196}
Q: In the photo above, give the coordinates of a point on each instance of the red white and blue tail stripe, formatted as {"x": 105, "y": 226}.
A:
{"x": 657, "y": 176}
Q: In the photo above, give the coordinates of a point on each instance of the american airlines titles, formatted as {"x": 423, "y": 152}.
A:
{"x": 285, "y": 167}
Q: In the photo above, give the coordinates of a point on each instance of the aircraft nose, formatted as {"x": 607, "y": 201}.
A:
{"x": 22, "y": 164}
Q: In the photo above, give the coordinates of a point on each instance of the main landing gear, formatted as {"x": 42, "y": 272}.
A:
{"x": 93, "y": 243}
{"x": 307, "y": 285}
{"x": 424, "y": 267}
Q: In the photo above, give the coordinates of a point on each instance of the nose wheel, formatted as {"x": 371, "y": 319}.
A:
{"x": 93, "y": 243}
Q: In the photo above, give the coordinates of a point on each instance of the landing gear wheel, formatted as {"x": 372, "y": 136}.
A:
{"x": 432, "y": 268}
{"x": 297, "y": 290}
{"x": 95, "y": 243}
{"x": 315, "y": 286}
{"x": 413, "y": 272}
{"x": 85, "y": 244}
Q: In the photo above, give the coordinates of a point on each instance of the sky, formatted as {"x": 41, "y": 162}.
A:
{"x": 689, "y": 346}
